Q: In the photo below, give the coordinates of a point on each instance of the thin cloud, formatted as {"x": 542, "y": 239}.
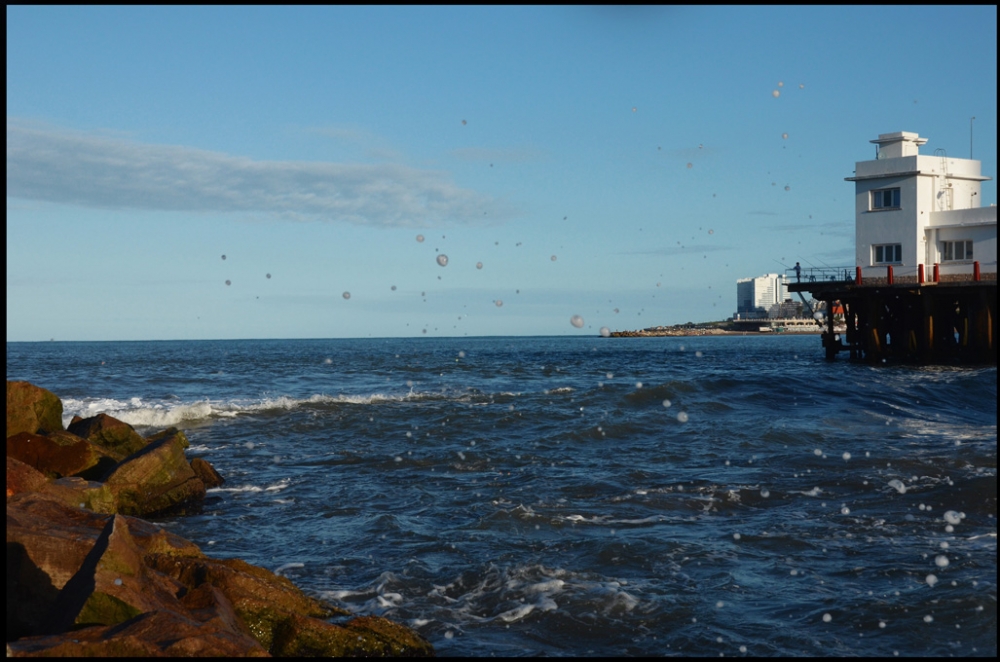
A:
{"x": 502, "y": 155}
{"x": 680, "y": 250}
{"x": 91, "y": 170}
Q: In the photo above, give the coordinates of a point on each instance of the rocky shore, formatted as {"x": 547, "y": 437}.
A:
{"x": 87, "y": 577}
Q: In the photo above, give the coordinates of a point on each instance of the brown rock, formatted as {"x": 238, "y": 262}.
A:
{"x": 207, "y": 473}
{"x": 153, "y": 634}
{"x": 32, "y": 409}
{"x": 23, "y": 477}
{"x": 113, "y": 584}
{"x": 59, "y": 454}
{"x": 117, "y": 438}
{"x": 47, "y": 543}
{"x": 156, "y": 479}
{"x": 76, "y": 492}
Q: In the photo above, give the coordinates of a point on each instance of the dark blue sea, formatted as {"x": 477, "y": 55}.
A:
{"x": 584, "y": 496}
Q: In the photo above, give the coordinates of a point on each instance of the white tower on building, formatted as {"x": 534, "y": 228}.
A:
{"x": 912, "y": 209}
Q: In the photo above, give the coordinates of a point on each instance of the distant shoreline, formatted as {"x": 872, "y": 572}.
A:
{"x": 684, "y": 332}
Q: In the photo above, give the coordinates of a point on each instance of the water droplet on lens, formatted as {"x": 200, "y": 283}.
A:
{"x": 464, "y": 122}
{"x": 268, "y": 275}
{"x": 223, "y": 257}
{"x": 736, "y": 536}
{"x": 898, "y": 486}
{"x": 420, "y": 238}
{"x": 118, "y": 581}
{"x": 817, "y": 452}
{"x": 347, "y": 295}
{"x": 249, "y": 445}
{"x": 499, "y": 303}
{"x": 605, "y": 331}
{"x": 553, "y": 258}
{"x": 784, "y": 136}
{"x": 764, "y": 492}
{"x": 442, "y": 259}
{"x": 775, "y": 94}
{"x": 667, "y": 403}
{"x": 788, "y": 188}
{"x": 576, "y": 321}
{"x": 846, "y": 456}
{"x": 690, "y": 165}
{"x": 682, "y": 416}
{"x": 393, "y": 288}
{"x": 229, "y": 282}
{"x": 711, "y": 232}
{"x": 941, "y": 561}
{"x": 479, "y": 265}
{"x": 952, "y": 517}
{"x": 844, "y": 510}
{"x": 827, "y": 618}
{"x": 928, "y": 619}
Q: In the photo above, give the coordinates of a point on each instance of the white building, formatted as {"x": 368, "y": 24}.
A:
{"x": 912, "y": 209}
{"x": 755, "y": 296}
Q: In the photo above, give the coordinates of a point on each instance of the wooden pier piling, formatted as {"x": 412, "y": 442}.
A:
{"x": 907, "y": 320}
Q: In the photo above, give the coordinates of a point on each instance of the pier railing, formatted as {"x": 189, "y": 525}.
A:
{"x": 895, "y": 274}
{"x": 821, "y": 275}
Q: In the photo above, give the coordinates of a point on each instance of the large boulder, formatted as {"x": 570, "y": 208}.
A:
{"x": 123, "y": 586}
{"x": 117, "y": 438}
{"x": 32, "y": 409}
{"x": 59, "y": 454}
{"x": 23, "y": 477}
{"x": 156, "y": 479}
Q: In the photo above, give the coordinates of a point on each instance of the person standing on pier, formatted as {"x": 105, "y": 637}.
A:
{"x": 798, "y": 273}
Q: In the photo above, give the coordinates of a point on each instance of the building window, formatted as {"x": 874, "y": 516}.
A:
{"x": 887, "y": 254}
{"x": 956, "y": 250}
{"x": 886, "y": 198}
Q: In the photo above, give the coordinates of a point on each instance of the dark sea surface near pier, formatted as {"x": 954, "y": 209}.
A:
{"x": 523, "y": 496}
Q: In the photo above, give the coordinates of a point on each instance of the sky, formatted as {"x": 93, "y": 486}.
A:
{"x": 303, "y": 172}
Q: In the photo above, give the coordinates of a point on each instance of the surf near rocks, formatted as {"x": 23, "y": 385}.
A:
{"x": 86, "y": 576}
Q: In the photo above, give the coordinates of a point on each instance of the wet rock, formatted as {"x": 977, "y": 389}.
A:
{"x": 117, "y": 438}
{"x": 32, "y": 409}
{"x": 59, "y": 454}
{"x": 156, "y": 479}
{"x": 207, "y": 473}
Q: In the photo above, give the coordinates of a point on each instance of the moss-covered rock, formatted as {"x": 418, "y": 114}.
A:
{"x": 79, "y": 493}
{"x": 117, "y": 438}
{"x": 32, "y": 409}
{"x": 156, "y": 479}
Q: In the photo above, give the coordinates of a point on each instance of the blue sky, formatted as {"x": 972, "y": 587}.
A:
{"x": 643, "y": 149}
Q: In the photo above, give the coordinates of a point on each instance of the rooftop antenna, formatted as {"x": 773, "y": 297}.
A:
{"x": 971, "y": 120}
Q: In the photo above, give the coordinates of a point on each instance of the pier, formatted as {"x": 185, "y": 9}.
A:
{"x": 912, "y": 318}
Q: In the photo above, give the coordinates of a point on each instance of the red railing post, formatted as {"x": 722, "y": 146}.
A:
{"x": 888, "y": 272}
{"x": 920, "y": 274}
{"x": 975, "y": 270}
{"x": 857, "y": 275}
{"x": 937, "y": 273}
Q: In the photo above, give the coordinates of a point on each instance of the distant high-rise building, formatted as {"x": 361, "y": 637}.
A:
{"x": 755, "y": 296}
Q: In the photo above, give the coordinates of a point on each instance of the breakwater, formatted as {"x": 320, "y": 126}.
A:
{"x": 84, "y": 578}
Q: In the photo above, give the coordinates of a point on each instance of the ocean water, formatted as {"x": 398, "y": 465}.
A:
{"x": 584, "y": 496}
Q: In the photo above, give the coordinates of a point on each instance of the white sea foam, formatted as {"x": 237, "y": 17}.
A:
{"x": 288, "y": 566}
